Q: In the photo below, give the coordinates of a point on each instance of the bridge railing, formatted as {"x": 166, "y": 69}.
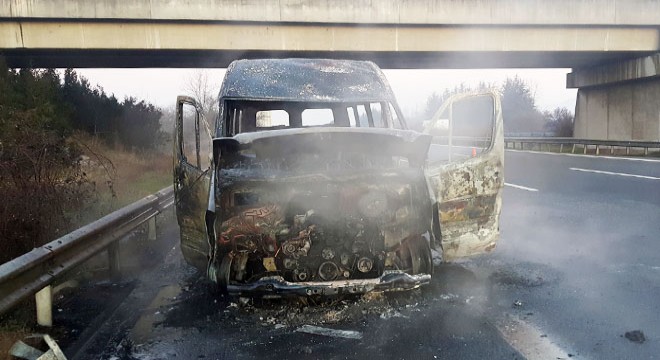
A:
{"x": 583, "y": 144}
{"x": 33, "y": 273}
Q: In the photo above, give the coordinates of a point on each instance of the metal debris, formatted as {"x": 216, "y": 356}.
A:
{"x": 37, "y": 347}
{"x": 391, "y": 313}
{"x": 317, "y": 330}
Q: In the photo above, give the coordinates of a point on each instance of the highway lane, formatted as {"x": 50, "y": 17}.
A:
{"x": 552, "y": 173}
{"x": 578, "y": 265}
{"x": 598, "y": 236}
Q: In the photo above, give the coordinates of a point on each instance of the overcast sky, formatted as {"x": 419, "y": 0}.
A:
{"x": 412, "y": 87}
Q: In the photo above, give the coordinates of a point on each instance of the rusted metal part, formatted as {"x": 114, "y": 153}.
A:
{"x": 191, "y": 199}
{"x": 191, "y": 189}
{"x": 277, "y": 286}
{"x": 468, "y": 194}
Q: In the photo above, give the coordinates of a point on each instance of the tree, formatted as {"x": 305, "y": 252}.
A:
{"x": 138, "y": 126}
{"x": 433, "y": 103}
{"x": 93, "y": 111}
{"x": 205, "y": 93}
{"x": 519, "y": 110}
{"x": 559, "y": 122}
{"x": 131, "y": 123}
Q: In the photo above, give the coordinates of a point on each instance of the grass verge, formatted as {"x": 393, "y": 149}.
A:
{"x": 120, "y": 177}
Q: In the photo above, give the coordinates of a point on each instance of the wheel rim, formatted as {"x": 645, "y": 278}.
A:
{"x": 420, "y": 256}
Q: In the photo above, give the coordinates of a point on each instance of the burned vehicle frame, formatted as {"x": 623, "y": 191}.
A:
{"x": 316, "y": 186}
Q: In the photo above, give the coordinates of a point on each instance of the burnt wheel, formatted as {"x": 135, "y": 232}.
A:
{"x": 224, "y": 272}
{"x": 219, "y": 273}
{"x": 420, "y": 257}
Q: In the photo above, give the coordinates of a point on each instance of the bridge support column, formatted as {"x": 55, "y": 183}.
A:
{"x": 619, "y": 101}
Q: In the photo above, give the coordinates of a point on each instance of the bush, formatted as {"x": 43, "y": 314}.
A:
{"x": 40, "y": 180}
{"x": 559, "y": 122}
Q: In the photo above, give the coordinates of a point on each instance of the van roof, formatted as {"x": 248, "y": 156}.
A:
{"x": 308, "y": 80}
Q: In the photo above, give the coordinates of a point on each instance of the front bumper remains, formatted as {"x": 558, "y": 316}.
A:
{"x": 276, "y": 286}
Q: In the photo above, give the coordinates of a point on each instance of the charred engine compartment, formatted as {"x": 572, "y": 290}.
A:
{"x": 310, "y": 231}
{"x": 316, "y": 207}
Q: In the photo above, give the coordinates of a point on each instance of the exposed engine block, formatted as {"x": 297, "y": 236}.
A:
{"x": 323, "y": 251}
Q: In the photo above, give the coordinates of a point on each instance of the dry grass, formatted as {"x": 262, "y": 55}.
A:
{"x": 120, "y": 176}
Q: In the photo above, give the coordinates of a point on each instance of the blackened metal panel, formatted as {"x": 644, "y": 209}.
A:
{"x": 305, "y": 80}
{"x": 468, "y": 193}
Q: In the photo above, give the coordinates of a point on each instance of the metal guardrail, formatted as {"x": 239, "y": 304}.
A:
{"x": 33, "y": 272}
{"x": 511, "y": 142}
{"x": 462, "y": 141}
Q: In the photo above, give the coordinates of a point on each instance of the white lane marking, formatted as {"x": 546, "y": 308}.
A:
{"x": 521, "y": 187}
{"x": 528, "y": 340}
{"x": 615, "y": 173}
{"x": 588, "y": 156}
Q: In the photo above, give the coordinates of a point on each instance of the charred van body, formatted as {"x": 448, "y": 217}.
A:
{"x": 317, "y": 187}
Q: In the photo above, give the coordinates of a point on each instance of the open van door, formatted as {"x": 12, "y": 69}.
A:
{"x": 465, "y": 172}
{"x": 192, "y": 169}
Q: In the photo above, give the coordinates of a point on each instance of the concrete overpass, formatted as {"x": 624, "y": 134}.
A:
{"x": 394, "y": 33}
{"x": 580, "y": 34}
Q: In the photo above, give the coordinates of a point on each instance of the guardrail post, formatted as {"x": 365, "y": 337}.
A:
{"x": 561, "y": 148}
{"x": 597, "y": 149}
{"x": 627, "y": 150}
{"x": 646, "y": 151}
{"x": 611, "y": 149}
{"x": 113, "y": 260}
{"x": 44, "y": 300}
{"x": 573, "y": 150}
{"x": 585, "y": 148}
{"x": 151, "y": 231}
